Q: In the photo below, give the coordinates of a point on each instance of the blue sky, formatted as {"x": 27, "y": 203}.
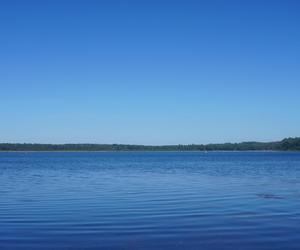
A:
{"x": 149, "y": 72}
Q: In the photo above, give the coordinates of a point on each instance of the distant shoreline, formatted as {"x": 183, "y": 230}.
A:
{"x": 151, "y": 151}
{"x": 288, "y": 144}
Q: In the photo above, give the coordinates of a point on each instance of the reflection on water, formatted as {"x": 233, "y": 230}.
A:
{"x": 146, "y": 200}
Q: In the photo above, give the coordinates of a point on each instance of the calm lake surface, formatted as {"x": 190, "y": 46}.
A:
{"x": 150, "y": 200}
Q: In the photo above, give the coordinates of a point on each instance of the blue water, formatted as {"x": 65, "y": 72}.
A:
{"x": 146, "y": 200}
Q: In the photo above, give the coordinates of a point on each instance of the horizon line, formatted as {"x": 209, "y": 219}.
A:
{"x": 146, "y": 145}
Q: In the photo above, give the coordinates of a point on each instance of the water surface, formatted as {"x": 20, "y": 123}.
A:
{"x": 150, "y": 200}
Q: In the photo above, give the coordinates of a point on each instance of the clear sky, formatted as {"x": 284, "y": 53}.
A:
{"x": 149, "y": 72}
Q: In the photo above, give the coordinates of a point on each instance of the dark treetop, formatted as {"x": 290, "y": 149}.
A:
{"x": 291, "y": 144}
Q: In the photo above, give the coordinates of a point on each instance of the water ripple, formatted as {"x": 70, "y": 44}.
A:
{"x": 150, "y": 200}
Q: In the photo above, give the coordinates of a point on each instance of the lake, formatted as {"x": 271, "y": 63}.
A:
{"x": 150, "y": 200}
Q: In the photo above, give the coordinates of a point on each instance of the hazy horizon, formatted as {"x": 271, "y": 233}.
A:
{"x": 199, "y": 143}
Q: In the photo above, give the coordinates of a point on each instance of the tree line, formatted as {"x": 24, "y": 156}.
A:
{"x": 288, "y": 144}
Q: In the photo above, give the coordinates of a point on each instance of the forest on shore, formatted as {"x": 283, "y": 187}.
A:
{"x": 288, "y": 144}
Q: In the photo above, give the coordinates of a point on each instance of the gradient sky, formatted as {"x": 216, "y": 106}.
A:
{"x": 149, "y": 72}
